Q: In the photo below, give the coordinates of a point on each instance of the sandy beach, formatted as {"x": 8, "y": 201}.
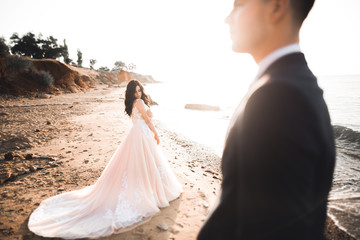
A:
{"x": 63, "y": 142}
{"x": 71, "y": 138}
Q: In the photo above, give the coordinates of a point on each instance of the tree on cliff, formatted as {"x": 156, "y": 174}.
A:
{"x": 50, "y": 48}
{"x": 27, "y": 45}
{"x": 4, "y": 49}
{"x": 119, "y": 65}
{"x": 79, "y": 58}
{"x": 37, "y": 47}
{"x": 65, "y": 53}
{"x": 131, "y": 67}
{"x": 92, "y": 63}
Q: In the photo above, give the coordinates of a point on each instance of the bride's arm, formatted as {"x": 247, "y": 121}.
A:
{"x": 140, "y": 105}
{"x": 149, "y": 113}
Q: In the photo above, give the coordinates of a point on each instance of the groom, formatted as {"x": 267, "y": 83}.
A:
{"x": 279, "y": 155}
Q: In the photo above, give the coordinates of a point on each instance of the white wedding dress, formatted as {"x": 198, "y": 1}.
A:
{"x": 136, "y": 182}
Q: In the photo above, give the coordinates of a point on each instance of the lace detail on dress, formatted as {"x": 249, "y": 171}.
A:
{"x": 126, "y": 212}
{"x": 136, "y": 115}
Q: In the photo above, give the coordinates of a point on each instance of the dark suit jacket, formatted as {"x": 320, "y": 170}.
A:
{"x": 278, "y": 160}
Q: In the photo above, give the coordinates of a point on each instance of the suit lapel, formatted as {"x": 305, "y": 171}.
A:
{"x": 256, "y": 84}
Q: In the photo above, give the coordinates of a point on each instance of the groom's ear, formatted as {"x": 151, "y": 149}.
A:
{"x": 277, "y": 10}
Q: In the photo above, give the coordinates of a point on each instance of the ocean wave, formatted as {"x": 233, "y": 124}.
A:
{"x": 346, "y": 134}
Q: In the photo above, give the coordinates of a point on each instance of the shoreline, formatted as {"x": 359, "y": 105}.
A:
{"x": 72, "y": 137}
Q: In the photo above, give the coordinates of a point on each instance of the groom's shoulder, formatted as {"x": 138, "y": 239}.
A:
{"x": 293, "y": 74}
{"x": 274, "y": 91}
{"x": 286, "y": 91}
{"x": 291, "y": 69}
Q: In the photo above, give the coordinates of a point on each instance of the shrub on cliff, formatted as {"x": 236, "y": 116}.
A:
{"x": 46, "y": 78}
{"x": 104, "y": 69}
{"x": 14, "y": 64}
{"x": 4, "y": 49}
{"x": 18, "y": 63}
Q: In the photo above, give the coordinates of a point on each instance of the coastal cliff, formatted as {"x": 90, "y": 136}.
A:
{"x": 48, "y": 76}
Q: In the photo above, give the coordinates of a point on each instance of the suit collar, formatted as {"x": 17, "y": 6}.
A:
{"x": 275, "y": 55}
{"x": 283, "y": 64}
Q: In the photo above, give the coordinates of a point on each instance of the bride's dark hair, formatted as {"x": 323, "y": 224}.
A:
{"x": 130, "y": 95}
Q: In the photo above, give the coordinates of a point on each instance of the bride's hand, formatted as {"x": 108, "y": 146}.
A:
{"x": 157, "y": 139}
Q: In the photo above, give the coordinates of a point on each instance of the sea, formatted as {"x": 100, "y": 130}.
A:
{"x": 341, "y": 93}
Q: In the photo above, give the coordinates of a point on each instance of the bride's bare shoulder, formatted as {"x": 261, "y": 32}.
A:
{"x": 139, "y": 103}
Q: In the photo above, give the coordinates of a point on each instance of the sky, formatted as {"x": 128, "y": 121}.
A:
{"x": 183, "y": 40}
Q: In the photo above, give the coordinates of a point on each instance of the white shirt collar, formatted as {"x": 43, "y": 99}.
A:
{"x": 275, "y": 55}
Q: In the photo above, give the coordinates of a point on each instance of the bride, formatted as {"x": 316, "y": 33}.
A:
{"x": 136, "y": 182}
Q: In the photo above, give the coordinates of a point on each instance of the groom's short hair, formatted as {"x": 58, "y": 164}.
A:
{"x": 301, "y": 9}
